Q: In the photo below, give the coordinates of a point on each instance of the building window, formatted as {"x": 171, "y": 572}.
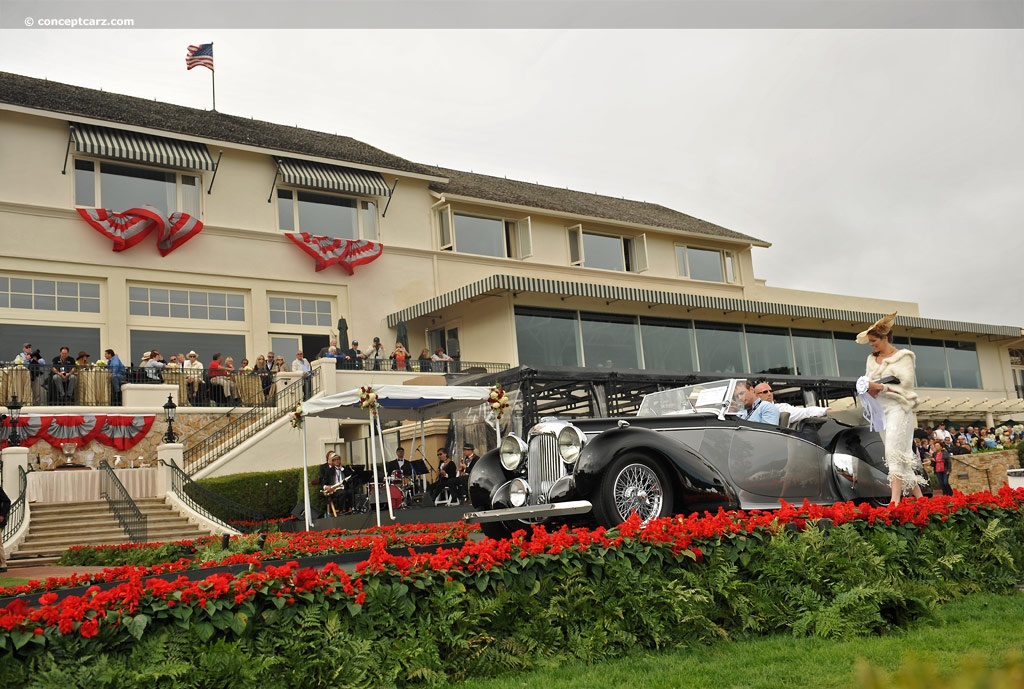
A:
{"x": 770, "y": 350}
{"x": 711, "y": 265}
{"x": 964, "y": 370}
{"x": 721, "y": 348}
{"x": 161, "y": 302}
{"x": 668, "y": 345}
{"x": 930, "y": 356}
{"x": 49, "y": 295}
{"x": 326, "y": 215}
{"x": 474, "y": 234}
{"x": 119, "y": 187}
{"x": 610, "y": 341}
{"x": 607, "y": 252}
{"x": 548, "y": 337}
{"x": 300, "y": 311}
{"x": 815, "y": 353}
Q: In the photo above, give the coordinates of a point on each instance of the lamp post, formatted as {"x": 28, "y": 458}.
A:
{"x": 14, "y": 407}
{"x": 169, "y": 410}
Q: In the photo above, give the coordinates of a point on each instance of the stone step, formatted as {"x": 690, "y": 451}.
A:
{"x": 64, "y": 525}
{"x": 55, "y": 527}
{"x": 15, "y": 562}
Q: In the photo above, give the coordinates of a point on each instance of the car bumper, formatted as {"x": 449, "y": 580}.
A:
{"x": 557, "y": 509}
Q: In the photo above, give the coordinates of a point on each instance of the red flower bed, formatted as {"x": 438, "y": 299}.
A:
{"x": 279, "y": 546}
{"x": 222, "y": 595}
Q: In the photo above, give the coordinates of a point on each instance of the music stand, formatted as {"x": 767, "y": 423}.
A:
{"x": 420, "y": 469}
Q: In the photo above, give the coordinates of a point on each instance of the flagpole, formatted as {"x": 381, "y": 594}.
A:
{"x": 213, "y": 83}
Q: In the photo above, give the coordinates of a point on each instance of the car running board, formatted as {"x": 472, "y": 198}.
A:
{"x": 529, "y": 512}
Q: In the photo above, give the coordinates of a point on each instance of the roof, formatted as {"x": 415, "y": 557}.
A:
{"x": 77, "y": 101}
{"x": 80, "y": 102}
{"x": 502, "y": 190}
{"x": 496, "y": 284}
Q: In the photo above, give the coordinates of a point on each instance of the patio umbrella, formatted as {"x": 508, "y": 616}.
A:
{"x": 342, "y": 334}
{"x": 403, "y": 334}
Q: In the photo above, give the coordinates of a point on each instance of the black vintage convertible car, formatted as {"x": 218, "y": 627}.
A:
{"x": 685, "y": 451}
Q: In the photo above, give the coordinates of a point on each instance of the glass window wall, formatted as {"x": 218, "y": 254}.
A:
{"x": 720, "y": 347}
{"x": 610, "y": 341}
{"x": 815, "y": 353}
{"x": 547, "y": 337}
{"x": 769, "y": 350}
{"x": 668, "y": 345}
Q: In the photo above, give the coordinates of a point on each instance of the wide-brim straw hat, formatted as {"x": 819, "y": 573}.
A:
{"x": 882, "y": 325}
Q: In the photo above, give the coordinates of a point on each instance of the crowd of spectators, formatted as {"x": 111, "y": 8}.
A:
{"x": 938, "y": 447}
{"x": 964, "y": 439}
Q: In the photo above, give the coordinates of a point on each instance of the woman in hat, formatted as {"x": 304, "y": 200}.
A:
{"x": 898, "y": 401}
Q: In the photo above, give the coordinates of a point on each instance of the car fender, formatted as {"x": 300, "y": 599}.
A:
{"x": 485, "y": 478}
{"x": 690, "y": 472}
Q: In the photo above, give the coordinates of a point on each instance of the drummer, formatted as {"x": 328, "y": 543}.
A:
{"x": 401, "y": 465}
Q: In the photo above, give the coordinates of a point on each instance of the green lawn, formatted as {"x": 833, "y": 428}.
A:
{"x": 979, "y": 628}
{"x": 11, "y": 581}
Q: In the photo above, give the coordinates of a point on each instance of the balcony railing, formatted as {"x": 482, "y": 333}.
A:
{"x": 421, "y": 366}
{"x": 95, "y": 387}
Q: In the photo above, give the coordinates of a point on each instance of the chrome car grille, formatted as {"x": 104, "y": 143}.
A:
{"x": 543, "y": 466}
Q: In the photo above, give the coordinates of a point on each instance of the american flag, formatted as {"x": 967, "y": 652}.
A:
{"x": 200, "y": 56}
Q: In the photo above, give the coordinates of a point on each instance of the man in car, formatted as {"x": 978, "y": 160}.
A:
{"x": 764, "y": 391}
{"x": 755, "y": 407}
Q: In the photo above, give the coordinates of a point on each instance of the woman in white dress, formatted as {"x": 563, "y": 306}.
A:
{"x": 898, "y": 401}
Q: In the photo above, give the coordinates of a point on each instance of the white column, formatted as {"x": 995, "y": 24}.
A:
{"x": 13, "y": 458}
{"x": 168, "y": 452}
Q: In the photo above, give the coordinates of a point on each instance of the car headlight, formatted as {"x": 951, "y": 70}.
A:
{"x": 518, "y": 492}
{"x": 512, "y": 451}
{"x": 570, "y": 444}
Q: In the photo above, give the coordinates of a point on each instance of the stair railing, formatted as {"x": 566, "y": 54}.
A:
{"x": 213, "y": 506}
{"x": 128, "y": 514}
{"x": 208, "y": 450}
{"x": 17, "y": 513}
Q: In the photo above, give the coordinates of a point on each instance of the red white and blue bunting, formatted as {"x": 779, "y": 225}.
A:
{"x": 120, "y": 431}
{"x": 329, "y": 251}
{"x": 130, "y": 227}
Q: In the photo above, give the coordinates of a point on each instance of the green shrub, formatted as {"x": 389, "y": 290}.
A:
{"x": 270, "y": 492}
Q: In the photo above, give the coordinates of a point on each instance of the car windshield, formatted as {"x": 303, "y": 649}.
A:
{"x": 716, "y": 397}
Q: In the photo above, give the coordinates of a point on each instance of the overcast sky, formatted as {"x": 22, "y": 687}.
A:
{"x": 877, "y": 163}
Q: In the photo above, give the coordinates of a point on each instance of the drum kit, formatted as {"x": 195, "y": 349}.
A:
{"x": 399, "y": 490}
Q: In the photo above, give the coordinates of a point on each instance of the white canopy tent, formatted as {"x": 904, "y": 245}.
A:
{"x": 395, "y": 403}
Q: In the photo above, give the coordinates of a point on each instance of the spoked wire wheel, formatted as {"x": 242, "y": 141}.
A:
{"x": 637, "y": 484}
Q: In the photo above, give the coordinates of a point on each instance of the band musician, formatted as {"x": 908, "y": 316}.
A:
{"x": 400, "y": 464}
{"x": 447, "y": 474}
{"x": 466, "y": 464}
{"x": 336, "y": 484}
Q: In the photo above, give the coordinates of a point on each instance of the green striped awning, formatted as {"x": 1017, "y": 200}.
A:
{"x": 614, "y": 293}
{"x": 140, "y": 148}
{"x": 303, "y": 173}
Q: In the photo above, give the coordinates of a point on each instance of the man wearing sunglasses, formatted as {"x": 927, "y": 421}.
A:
{"x": 763, "y": 391}
{"x": 755, "y": 407}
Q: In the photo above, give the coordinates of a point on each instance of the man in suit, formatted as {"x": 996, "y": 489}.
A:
{"x": 334, "y": 479}
{"x": 400, "y": 464}
{"x": 446, "y": 474}
{"x": 469, "y": 460}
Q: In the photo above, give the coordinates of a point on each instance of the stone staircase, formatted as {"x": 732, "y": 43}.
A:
{"x": 55, "y": 527}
